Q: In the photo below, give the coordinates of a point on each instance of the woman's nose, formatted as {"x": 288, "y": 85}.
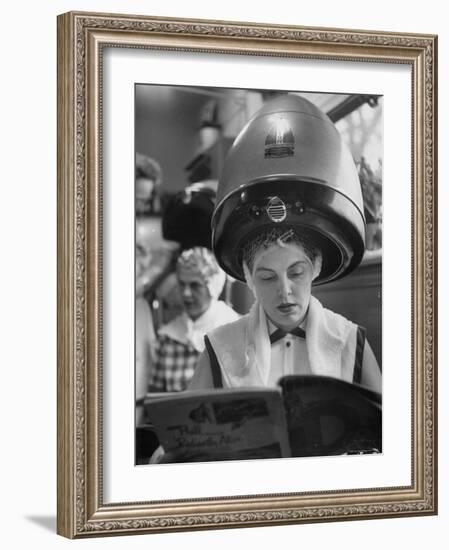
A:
{"x": 186, "y": 291}
{"x": 284, "y": 287}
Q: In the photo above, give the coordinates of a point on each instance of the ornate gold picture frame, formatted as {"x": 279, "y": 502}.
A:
{"x": 83, "y": 39}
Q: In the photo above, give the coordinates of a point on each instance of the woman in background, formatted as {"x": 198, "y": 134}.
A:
{"x": 180, "y": 342}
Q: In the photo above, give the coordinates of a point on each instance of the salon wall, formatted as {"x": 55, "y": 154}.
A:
{"x": 160, "y": 120}
{"x": 28, "y": 275}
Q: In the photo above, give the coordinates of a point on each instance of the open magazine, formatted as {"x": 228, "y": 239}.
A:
{"x": 304, "y": 416}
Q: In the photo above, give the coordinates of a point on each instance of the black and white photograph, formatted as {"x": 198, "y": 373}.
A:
{"x": 258, "y": 273}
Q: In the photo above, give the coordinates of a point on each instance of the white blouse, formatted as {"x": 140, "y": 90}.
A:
{"x": 288, "y": 356}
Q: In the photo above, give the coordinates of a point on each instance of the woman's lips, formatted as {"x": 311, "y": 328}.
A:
{"x": 287, "y": 308}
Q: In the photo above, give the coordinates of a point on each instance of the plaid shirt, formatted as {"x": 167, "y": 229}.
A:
{"x": 174, "y": 366}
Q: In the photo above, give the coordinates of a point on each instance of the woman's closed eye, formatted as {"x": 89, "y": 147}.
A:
{"x": 266, "y": 275}
{"x": 266, "y": 278}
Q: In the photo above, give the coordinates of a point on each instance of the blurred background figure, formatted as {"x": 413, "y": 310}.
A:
{"x": 181, "y": 341}
{"x": 148, "y": 183}
{"x": 153, "y": 261}
{"x": 188, "y": 213}
{"x": 145, "y": 335}
{"x": 182, "y": 306}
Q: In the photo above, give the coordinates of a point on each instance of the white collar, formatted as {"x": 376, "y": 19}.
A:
{"x": 272, "y": 327}
{"x": 187, "y": 331}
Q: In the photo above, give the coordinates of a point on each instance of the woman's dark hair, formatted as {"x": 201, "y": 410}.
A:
{"x": 280, "y": 235}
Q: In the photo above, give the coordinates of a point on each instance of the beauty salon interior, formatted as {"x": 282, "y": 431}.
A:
{"x": 186, "y": 139}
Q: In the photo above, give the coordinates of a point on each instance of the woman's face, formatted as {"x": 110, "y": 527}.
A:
{"x": 194, "y": 292}
{"x": 282, "y": 277}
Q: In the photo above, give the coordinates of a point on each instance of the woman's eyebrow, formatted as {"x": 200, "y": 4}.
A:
{"x": 297, "y": 264}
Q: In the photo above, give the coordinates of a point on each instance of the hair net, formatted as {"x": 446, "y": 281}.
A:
{"x": 279, "y": 236}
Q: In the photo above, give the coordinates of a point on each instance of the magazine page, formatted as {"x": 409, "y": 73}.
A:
{"x": 220, "y": 424}
{"x": 328, "y": 416}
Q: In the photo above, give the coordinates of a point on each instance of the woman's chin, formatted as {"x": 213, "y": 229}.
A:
{"x": 288, "y": 321}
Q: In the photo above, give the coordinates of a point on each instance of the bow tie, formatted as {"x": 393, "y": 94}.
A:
{"x": 278, "y": 334}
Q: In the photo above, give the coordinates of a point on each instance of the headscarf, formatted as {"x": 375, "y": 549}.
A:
{"x": 200, "y": 261}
